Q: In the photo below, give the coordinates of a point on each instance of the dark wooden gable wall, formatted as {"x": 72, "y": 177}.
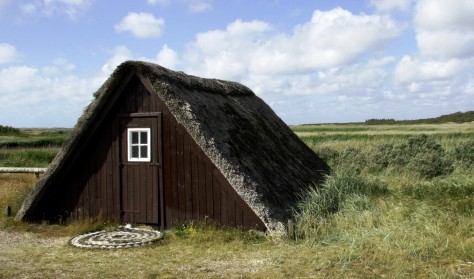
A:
{"x": 192, "y": 187}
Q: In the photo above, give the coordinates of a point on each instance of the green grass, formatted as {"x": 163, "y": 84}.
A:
{"x": 33, "y": 138}
{"x": 31, "y": 157}
{"x": 399, "y": 204}
{"x": 30, "y": 147}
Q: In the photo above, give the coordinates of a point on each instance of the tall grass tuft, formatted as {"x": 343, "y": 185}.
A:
{"x": 13, "y": 190}
{"x": 337, "y": 193}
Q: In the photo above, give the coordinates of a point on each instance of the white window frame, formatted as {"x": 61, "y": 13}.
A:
{"x": 139, "y": 144}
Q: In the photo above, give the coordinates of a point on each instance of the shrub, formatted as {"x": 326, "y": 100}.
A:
{"x": 430, "y": 164}
{"x": 421, "y": 155}
{"x": 381, "y": 156}
{"x": 464, "y": 154}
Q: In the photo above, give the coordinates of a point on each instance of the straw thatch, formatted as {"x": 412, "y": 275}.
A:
{"x": 259, "y": 155}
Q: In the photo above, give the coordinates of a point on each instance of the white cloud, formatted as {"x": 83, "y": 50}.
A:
{"x": 412, "y": 70}
{"x": 167, "y": 57}
{"x": 59, "y": 66}
{"x": 44, "y": 97}
{"x": 119, "y": 54}
{"x": 446, "y": 44}
{"x": 72, "y": 8}
{"x": 141, "y": 25}
{"x": 388, "y": 5}
{"x": 198, "y": 6}
{"x": 445, "y": 28}
{"x": 330, "y": 39}
{"x": 226, "y": 53}
{"x": 160, "y": 2}
{"x": 8, "y": 53}
{"x": 440, "y": 14}
{"x": 194, "y": 6}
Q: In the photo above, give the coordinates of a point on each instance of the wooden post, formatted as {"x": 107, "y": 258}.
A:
{"x": 8, "y": 211}
{"x": 291, "y": 230}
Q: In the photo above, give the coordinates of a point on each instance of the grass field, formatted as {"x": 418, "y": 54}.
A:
{"x": 30, "y": 147}
{"x": 399, "y": 204}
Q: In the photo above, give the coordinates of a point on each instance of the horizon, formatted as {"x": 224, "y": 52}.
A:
{"x": 311, "y": 62}
{"x": 299, "y": 124}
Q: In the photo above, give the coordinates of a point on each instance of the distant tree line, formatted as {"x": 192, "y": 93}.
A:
{"x": 457, "y": 117}
{"x": 7, "y": 130}
{"x": 380, "y": 121}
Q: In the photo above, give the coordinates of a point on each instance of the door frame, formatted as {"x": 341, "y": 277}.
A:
{"x": 157, "y": 153}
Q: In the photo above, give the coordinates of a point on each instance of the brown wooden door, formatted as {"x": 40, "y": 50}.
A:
{"x": 140, "y": 163}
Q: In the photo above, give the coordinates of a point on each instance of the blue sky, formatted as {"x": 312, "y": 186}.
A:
{"x": 311, "y": 61}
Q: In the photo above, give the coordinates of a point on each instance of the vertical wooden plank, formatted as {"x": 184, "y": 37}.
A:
{"x": 181, "y": 180}
{"x": 74, "y": 202}
{"x": 89, "y": 193}
{"x": 108, "y": 170}
{"x": 130, "y": 103}
{"x": 83, "y": 191}
{"x": 173, "y": 187}
{"x": 160, "y": 208}
{"x": 157, "y": 199}
{"x": 103, "y": 173}
{"x": 209, "y": 192}
{"x": 195, "y": 183}
{"x": 201, "y": 185}
{"x": 115, "y": 172}
{"x": 137, "y": 192}
{"x": 231, "y": 210}
{"x": 144, "y": 190}
{"x": 140, "y": 102}
{"x": 147, "y": 105}
{"x": 131, "y": 175}
{"x": 224, "y": 207}
{"x": 152, "y": 198}
{"x": 238, "y": 216}
{"x": 167, "y": 183}
{"x": 134, "y": 197}
{"x": 135, "y": 97}
{"x": 187, "y": 179}
{"x": 97, "y": 205}
{"x": 216, "y": 190}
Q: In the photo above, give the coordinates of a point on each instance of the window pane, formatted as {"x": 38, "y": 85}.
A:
{"x": 143, "y": 137}
{"x": 134, "y": 137}
{"x": 134, "y": 152}
{"x": 143, "y": 151}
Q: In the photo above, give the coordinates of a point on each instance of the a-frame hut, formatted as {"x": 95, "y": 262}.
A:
{"x": 161, "y": 147}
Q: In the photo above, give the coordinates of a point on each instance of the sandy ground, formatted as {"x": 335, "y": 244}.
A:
{"x": 9, "y": 240}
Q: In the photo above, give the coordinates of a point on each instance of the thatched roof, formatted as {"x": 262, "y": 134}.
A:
{"x": 263, "y": 160}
